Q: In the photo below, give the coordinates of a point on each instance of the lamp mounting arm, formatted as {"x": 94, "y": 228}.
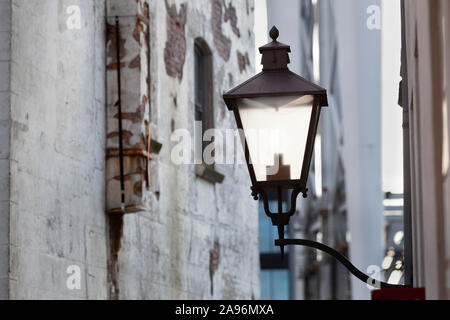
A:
{"x": 342, "y": 259}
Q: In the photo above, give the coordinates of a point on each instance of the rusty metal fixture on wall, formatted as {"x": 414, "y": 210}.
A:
{"x": 128, "y": 150}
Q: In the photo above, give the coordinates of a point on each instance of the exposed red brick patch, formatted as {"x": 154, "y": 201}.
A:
{"x": 222, "y": 43}
{"x": 230, "y": 15}
{"x": 112, "y": 44}
{"x": 140, "y": 169}
{"x": 134, "y": 117}
{"x": 137, "y": 32}
{"x": 144, "y": 18}
{"x": 243, "y": 61}
{"x": 126, "y": 177}
{"x": 113, "y": 66}
{"x": 175, "y": 50}
{"x": 137, "y": 188}
{"x": 135, "y": 63}
{"x": 126, "y": 136}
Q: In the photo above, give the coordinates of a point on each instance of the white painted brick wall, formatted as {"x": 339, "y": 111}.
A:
{"x": 57, "y": 177}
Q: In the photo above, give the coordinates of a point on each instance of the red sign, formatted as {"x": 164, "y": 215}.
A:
{"x": 399, "y": 294}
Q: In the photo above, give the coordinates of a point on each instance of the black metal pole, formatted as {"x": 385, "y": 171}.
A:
{"x": 280, "y": 211}
{"x": 119, "y": 103}
{"x": 407, "y": 217}
{"x": 350, "y": 267}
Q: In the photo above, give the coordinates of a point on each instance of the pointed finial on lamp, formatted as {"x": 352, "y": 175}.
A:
{"x": 274, "y": 33}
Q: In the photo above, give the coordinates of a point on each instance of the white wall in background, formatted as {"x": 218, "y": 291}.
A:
{"x": 261, "y": 31}
{"x": 360, "y": 71}
{"x": 392, "y": 139}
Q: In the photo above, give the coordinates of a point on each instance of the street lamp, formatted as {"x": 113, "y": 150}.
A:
{"x": 279, "y": 112}
{"x": 278, "y": 102}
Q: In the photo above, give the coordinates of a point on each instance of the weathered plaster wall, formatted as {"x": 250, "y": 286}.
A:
{"x": 5, "y": 125}
{"x": 57, "y": 150}
{"x": 198, "y": 239}
{"x": 195, "y": 230}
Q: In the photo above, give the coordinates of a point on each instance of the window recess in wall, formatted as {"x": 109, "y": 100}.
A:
{"x": 204, "y": 112}
{"x": 128, "y": 144}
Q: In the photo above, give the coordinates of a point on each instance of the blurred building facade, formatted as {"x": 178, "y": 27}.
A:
{"x": 341, "y": 46}
{"x": 191, "y": 231}
{"x": 426, "y": 92}
{"x": 369, "y": 197}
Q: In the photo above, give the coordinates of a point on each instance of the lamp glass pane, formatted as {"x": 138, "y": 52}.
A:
{"x": 276, "y": 130}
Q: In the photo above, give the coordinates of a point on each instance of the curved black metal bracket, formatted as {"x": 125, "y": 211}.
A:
{"x": 280, "y": 218}
{"x": 347, "y": 264}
